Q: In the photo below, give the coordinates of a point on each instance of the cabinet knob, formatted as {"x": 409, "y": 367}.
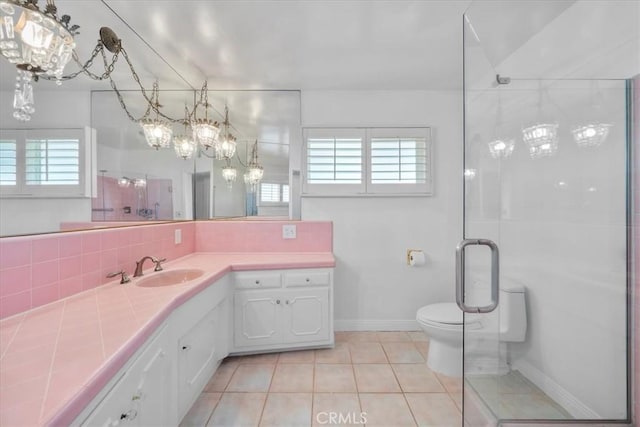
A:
{"x": 257, "y": 282}
{"x": 307, "y": 280}
{"x": 277, "y": 301}
{"x": 186, "y": 347}
{"x": 287, "y": 301}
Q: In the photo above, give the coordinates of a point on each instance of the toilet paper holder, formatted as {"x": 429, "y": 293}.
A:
{"x": 410, "y": 254}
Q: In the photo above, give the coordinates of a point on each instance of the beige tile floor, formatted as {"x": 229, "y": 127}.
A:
{"x": 377, "y": 377}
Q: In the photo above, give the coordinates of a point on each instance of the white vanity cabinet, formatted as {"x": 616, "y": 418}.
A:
{"x": 282, "y": 309}
{"x": 200, "y": 326}
{"x": 142, "y": 396}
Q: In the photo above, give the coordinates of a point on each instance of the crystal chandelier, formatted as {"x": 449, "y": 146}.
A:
{"x": 501, "y": 148}
{"x": 205, "y": 131}
{"x": 157, "y": 132}
{"x": 184, "y": 145}
{"x": 38, "y": 43}
{"x": 226, "y": 144}
{"x": 591, "y": 135}
{"x": 229, "y": 173}
{"x": 254, "y": 173}
{"x": 542, "y": 140}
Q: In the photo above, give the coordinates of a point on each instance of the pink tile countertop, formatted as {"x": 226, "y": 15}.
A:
{"x": 56, "y": 358}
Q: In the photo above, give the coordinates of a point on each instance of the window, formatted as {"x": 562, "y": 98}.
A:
{"x": 274, "y": 194}
{"x": 42, "y": 163}
{"x": 334, "y": 160}
{"x": 7, "y": 161}
{"x": 373, "y": 161}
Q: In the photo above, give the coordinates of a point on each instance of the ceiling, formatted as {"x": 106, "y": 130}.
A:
{"x": 329, "y": 44}
{"x": 350, "y": 45}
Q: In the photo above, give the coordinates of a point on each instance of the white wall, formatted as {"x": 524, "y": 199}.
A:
{"x": 374, "y": 288}
{"x": 54, "y": 109}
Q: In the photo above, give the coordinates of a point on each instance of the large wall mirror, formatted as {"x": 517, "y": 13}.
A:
{"x": 127, "y": 182}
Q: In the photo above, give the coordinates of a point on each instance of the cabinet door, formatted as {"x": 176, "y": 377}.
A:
{"x": 257, "y": 318}
{"x": 143, "y": 396}
{"x": 197, "y": 359}
{"x": 306, "y": 315}
{"x": 153, "y": 394}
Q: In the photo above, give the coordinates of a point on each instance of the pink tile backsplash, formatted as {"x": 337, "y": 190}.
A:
{"x": 263, "y": 236}
{"x": 36, "y": 270}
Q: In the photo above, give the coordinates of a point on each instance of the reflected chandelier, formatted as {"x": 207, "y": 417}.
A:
{"x": 226, "y": 143}
{"x": 157, "y": 132}
{"x": 500, "y": 147}
{"x": 184, "y": 145}
{"x": 541, "y": 138}
{"x": 255, "y": 172}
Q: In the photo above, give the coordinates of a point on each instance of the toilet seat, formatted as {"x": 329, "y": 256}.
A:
{"x": 446, "y": 315}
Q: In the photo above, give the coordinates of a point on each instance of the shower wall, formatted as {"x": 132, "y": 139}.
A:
{"x": 562, "y": 234}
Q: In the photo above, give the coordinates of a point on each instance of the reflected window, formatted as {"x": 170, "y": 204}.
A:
{"x": 272, "y": 193}
{"x": 8, "y": 162}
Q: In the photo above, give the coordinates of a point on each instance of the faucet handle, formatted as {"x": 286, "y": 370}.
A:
{"x": 158, "y": 266}
{"x": 124, "y": 278}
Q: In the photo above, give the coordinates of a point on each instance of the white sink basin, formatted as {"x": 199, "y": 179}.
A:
{"x": 170, "y": 277}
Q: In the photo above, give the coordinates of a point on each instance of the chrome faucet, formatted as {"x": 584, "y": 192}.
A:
{"x": 139, "y": 265}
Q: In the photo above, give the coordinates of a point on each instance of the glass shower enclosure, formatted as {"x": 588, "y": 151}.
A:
{"x": 542, "y": 272}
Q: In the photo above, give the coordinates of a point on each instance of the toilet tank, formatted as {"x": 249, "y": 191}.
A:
{"x": 513, "y": 312}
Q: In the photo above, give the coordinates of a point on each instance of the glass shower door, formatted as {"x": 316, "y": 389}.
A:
{"x": 545, "y": 236}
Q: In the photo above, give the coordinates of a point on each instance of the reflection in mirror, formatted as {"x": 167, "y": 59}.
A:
{"x": 272, "y": 118}
{"x": 136, "y": 182}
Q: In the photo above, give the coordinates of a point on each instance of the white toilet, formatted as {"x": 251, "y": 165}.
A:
{"x": 442, "y": 323}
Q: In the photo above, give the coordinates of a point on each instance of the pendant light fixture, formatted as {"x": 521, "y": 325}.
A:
{"x": 594, "y": 132}
{"x": 205, "y": 131}
{"x": 156, "y": 132}
{"x": 229, "y": 173}
{"x": 541, "y": 138}
{"x": 255, "y": 171}
{"x": 226, "y": 144}
{"x": 184, "y": 145}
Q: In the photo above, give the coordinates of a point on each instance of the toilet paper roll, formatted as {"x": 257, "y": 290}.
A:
{"x": 417, "y": 258}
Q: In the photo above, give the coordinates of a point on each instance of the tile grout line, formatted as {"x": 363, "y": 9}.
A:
{"x": 266, "y": 397}
{"x": 53, "y": 358}
{"x": 13, "y": 336}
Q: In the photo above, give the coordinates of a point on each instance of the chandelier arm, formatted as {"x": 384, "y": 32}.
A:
{"x": 144, "y": 91}
{"x": 84, "y": 68}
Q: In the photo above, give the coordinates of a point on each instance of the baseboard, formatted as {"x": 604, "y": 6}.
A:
{"x": 555, "y": 391}
{"x": 375, "y": 325}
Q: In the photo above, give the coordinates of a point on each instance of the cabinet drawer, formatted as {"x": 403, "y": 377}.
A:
{"x": 253, "y": 280}
{"x": 307, "y": 278}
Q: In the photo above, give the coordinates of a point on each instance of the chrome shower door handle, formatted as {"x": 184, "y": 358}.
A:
{"x": 460, "y": 276}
